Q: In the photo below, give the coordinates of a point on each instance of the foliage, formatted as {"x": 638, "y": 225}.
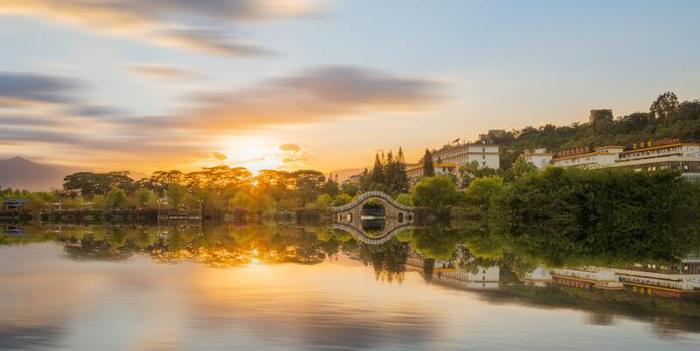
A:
{"x": 667, "y": 118}
{"x": 436, "y": 194}
{"x": 565, "y": 213}
{"x": 342, "y": 199}
{"x": 388, "y": 174}
{"x": 428, "y": 167}
{"x": 405, "y": 199}
{"x": 470, "y": 171}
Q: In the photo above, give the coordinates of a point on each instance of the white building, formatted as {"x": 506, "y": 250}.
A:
{"x": 415, "y": 172}
{"x": 664, "y": 154}
{"x": 584, "y": 157}
{"x": 485, "y": 155}
{"x": 650, "y": 156}
{"x": 539, "y": 157}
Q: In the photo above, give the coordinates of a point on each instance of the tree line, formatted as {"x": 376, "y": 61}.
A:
{"x": 667, "y": 117}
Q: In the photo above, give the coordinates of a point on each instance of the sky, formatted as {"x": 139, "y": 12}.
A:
{"x": 323, "y": 84}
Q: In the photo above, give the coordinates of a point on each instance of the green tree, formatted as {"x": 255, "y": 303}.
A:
{"x": 323, "y": 201}
{"x": 116, "y": 198}
{"x": 436, "y": 193}
{"x": 145, "y": 197}
{"x": 342, "y": 199}
{"x": 175, "y": 195}
{"x": 664, "y": 105}
{"x": 405, "y": 199}
{"x": 428, "y": 167}
{"x": 377, "y": 175}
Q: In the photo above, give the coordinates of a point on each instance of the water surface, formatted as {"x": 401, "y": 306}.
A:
{"x": 277, "y": 288}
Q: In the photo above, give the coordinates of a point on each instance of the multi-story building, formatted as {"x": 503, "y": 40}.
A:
{"x": 649, "y": 156}
{"x": 538, "y": 157}
{"x": 415, "y": 172}
{"x": 664, "y": 154}
{"x": 449, "y": 158}
{"x": 584, "y": 157}
{"x": 485, "y": 155}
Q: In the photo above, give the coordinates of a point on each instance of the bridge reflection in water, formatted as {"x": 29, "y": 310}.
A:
{"x": 374, "y": 217}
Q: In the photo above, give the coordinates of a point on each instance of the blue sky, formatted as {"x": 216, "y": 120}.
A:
{"x": 177, "y": 81}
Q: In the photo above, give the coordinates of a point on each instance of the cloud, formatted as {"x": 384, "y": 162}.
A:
{"x": 290, "y": 147}
{"x": 18, "y": 88}
{"x": 163, "y": 72}
{"x": 178, "y": 23}
{"x": 219, "y": 156}
{"x": 316, "y": 95}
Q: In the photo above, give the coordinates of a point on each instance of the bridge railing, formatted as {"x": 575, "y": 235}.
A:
{"x": 362, "y": 198}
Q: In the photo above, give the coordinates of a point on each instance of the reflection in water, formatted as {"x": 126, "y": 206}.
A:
{"x": 270, "y": 287}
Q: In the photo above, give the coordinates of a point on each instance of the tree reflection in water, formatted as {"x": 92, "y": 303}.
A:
{"x": 465, "y": 256}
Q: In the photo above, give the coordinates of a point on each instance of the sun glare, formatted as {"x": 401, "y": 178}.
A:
{"x": 253, "y": 153}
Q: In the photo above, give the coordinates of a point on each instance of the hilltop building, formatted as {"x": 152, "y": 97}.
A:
{"x": 648, "y": 156}
{"x": 450, "y": 157}
{"x": 414, "y": 172}
{"x": 538, "y": 157}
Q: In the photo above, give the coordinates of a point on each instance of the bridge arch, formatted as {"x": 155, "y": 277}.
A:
{"x": 396, "y": 216}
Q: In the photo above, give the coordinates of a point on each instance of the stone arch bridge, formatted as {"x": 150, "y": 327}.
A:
{"x": 397, "y": 217}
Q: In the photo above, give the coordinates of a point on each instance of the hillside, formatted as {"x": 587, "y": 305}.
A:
{"x": 20, "y": 173}
{"x": 667, "y": 118}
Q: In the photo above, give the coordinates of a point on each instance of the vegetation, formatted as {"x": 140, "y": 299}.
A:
{"x": 666, "y": 118}
{"x": 605, "y": 214}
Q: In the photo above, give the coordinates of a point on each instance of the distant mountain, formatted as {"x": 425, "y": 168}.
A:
{"x": 20, "y": 173}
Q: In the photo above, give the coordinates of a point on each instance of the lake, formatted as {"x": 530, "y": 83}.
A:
{"x": 273, "y": 287}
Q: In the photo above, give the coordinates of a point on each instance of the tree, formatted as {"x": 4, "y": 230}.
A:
{"x": 405, "y": 199}
{"x": 144, "y": 197}
{"x": 664, "y": 105}
{"x": 308, "y": 184}
{"x": 89, "y": 184}
{"x": 116, "y": 198}
{"x": 323, "y": 201}
{"x": 522, "y": 167}
{"x": 342, "y": 199}
{"x": 428, "y": 168}
{"x": 377, "y": 175}
{"x": 176, "y": 194}
{"x": 436, "y": 193}
{"x": 471, "y": 170}
{"x": 241, "y": 200}
{"x": 482, "y": 191}
{"x": 330, "y": 187}
{"x": 401, "y": 181}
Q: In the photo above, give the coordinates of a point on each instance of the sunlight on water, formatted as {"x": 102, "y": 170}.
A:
{"x": 52, "y": 299}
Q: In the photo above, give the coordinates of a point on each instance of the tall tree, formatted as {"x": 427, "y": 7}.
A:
{"x": 401, "y": 184}
{"x": 377, "y": 171}
{"x": 664, "y": 105}
{"x": 428, "y": 168}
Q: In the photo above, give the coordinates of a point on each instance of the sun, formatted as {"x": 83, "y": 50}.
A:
{"x": 252, "y": 152}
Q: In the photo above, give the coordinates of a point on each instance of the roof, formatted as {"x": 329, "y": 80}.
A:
{"x": 657, "y": 147}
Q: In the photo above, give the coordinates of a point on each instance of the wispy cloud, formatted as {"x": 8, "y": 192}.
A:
{"x": 34, "y": 88}
{"x": 176, "y": 23}
{"x": 162, "y": 72}
{"x": 315, "y": 95}
{"x": 61, "y": 122}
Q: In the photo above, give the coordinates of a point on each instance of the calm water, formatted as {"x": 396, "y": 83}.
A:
{"x": 276, "y": 288}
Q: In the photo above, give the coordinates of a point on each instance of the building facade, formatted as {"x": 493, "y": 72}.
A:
{"x": 485, "y": 155}
{"x": 415, "y": 172}
{"x": 648, "y": 156}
